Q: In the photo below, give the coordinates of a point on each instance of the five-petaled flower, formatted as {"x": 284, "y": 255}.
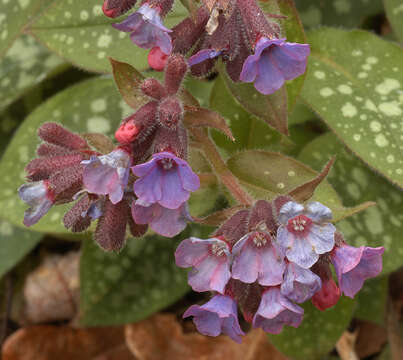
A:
{"x": 305, "y": 233}
{"x": 166, "y": 180}
{"x": 354, "y": 265}
{"x": 217, "y": 316}
{"x": 274, "y": 62}
{"x": 210, "y": 262}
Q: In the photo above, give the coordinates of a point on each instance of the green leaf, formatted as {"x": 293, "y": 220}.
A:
{"x": 318, "y": 332}
{"x": 15, "y": 243}
{"x": 83, "y": 35}
{"x": 91, "y": 106}
{"x": 354, "y": 83}
{"x": 14, "y": 16}
{"x": 248, "y": 131}
{"x": 372, "y": 300}
{"x": 25, "y": 64}
{"x": 129, "y": 286}
{"x": 394, "y": 12}
{"x": 347, "y": 13}
{"x": 266, "y": 174}
{"x": 378, "y": 226}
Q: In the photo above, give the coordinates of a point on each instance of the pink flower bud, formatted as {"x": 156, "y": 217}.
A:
{"x": 157, "y": 59}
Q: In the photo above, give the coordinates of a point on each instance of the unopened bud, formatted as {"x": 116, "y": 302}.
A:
{"x": 157, "y": 59}
{"x": 153, "y": 88}
{"x": 175, "y": 71}
{"x": 327, "y": 296}
{"x": 115, "y": 8}
{"x": 138, "y": 125}
{"x": 170, "y": 112}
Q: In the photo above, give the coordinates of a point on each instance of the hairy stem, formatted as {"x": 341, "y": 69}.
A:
{"x": 220, "y": 168}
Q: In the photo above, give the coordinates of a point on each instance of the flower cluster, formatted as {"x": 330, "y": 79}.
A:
{"x": 250, "y": 45}
{"x": 267, "y": 260}
{"x": 119, "y": 187}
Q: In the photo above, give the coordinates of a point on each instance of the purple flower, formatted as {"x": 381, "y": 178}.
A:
{"x": 210, "y": 262}
{"x": 355, "y": 265}
{"x": 256, "y": 258}
{"x": 166, "y": 222}
{"x": 304, "y": 233}
{"x": 107, "y": 174}
{"x": 203, "y": 55}
{"x": 166, "y": 180}
{"x": 299, "y": 284}
{"x": 274, "y": 62}
{"x": 275, "y": 311}
{"x": 39, "y": 197}
{"x": 217, "y": 316}
{"x": 147, "y": 30}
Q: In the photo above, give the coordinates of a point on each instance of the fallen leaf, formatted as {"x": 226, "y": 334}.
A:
{"x": 161, "y": 337}
{"x": 43, "y": 342}
{"x": 51, "y": 292}
{"x": 370, "y": 340}
{"x": 346, "y": 346}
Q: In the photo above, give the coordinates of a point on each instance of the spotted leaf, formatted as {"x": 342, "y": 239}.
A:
{"x": 15, "y": 243}
{"x": 84, "y": 36}
{"x": 25, "y": 64}
{"x": 347, "y": 13}
{"x": 15, "y": 15}
{"x": 377, "y": 226}
{"x": 266, "y": 174}
{"x": 354, "y": 83}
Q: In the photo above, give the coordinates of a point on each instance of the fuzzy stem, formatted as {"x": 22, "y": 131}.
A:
{"x": 220, "y": 168}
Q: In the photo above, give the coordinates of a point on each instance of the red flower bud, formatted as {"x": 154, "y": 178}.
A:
{"x": 327, "y": 296}
{"x": 115, "y": 8}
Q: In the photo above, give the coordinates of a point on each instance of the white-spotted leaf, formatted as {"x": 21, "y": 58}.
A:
{"x": 355, "y": 84}
{"x": 25, "y": 65}
{"x": 394, "y": 12}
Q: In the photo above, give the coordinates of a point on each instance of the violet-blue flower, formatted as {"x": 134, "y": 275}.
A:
{"x": 217, "y": 316}
{"x": 107, "y": 174}
{"x": 355, "y": 265}
{"x": 39, "y": 197}
{"x": 257, "y": 258}
{"x": 146, "y": 29}
{"x": 166, "y": 180}
{"x": 305, "y": 233}
{"x": 299, "y": 284}
{"x": 275, "y": 311}
{"x": 166, "y": 222}
{"x": 274, "y": 61}
{"x": 210, "y": 262}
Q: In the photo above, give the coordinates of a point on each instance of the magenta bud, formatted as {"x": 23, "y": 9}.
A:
{"x": 153, "y": 88}
{"x": 58, "y": 135}
{"x": 157, "y": 59}
{"x": 327, "y": 296}
{"x": 170, "y": 112}
{"x": 115, "y": 8}
{"x": 175, "y": 71}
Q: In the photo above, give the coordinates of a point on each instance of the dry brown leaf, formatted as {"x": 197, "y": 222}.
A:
{"x": 346, "y": 346}
{"x": 42, "y": 342}
{"x": 51, "y": 292}
{"x": 161, "y": 338}
{"x": 371, "y": 339}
